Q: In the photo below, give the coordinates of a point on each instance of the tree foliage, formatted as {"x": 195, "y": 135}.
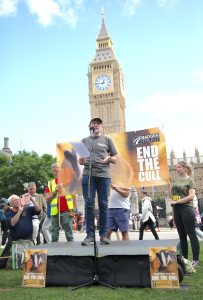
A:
{"x": 160, "y": 201}
{"x": 23, "y": 168}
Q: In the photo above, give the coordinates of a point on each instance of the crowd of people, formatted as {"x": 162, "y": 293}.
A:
{"x": 32, "y": 215}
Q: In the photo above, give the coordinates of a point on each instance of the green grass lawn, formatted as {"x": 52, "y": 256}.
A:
{"x": 11, "y": 288}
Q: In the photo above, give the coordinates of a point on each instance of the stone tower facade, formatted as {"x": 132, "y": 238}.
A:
{"x": 106, "y": 85}
{"x": 6, "y": 150}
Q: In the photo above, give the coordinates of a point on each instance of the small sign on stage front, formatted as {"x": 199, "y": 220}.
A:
{"x": 18, "y": 248}
{"x": 163, "y": 267}
{"x": 34, "y": 274}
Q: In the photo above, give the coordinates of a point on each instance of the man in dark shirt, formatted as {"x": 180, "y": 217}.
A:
{"x": 19, "y": 222}
{"x": 19, "y": 218}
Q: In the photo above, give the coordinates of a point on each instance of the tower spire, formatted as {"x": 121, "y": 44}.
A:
{"x": 102, "y": 11}
{"x": 107, "y": 100}
{"x": 103, "y": 34}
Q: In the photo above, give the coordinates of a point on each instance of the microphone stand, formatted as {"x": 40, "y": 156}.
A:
{"x": 95, "y": 279}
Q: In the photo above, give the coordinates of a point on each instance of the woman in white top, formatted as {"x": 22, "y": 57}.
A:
{"x": 148, "y": 218}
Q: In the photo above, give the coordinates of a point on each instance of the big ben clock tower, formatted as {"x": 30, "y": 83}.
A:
{"x": 106, "y": 85}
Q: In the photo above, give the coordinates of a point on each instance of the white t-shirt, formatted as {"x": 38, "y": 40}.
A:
{"x": 118, "y": 201}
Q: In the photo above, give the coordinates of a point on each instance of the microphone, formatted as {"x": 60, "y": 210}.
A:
{"x": 91, "y": 130}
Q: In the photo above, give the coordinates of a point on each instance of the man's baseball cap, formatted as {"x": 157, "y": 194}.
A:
{"x": 96, "y": 120}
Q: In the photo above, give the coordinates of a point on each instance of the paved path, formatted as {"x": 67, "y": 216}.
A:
{"x": 165, "y": 233}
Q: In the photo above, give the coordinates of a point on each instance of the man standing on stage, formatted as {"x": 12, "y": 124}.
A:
{"x": 61, "y": 208}
{"x": 97, "y": 170}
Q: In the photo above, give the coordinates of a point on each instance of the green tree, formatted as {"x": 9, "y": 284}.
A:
{"x": 160, "y": 201}
{"x": 4, "y": 167}
{"x": 24, "y": 167}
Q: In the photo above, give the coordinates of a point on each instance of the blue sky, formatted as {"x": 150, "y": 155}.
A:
{"x": 45, "y": 49}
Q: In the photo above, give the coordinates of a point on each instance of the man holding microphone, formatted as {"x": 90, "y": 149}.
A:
{"x": 96, "y": 178}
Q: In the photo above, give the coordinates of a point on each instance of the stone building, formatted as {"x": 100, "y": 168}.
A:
{"x": 6, "y": 150}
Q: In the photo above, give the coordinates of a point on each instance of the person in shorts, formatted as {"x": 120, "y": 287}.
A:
{"x": 119, "y": 211}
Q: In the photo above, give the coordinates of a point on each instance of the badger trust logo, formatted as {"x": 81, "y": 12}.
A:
{"x": 145, "y": 139}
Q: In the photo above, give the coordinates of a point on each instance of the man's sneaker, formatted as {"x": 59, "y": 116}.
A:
{"x": 195, "y": 263}
{"x": 104, "y": 240}
{"x": 89, "y": 240}
{"x": 3, "y": 246}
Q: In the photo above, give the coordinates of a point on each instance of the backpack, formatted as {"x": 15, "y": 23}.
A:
{"x": 2, "y": 215}
{"x": 154, "y": 209}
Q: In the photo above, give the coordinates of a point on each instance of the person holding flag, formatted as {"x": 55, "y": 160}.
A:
{"x": 62, "y": 207}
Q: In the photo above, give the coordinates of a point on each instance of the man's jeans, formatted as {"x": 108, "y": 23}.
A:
{"x": 101, "y": 186}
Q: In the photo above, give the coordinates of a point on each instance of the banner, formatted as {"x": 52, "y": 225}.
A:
{"x": 18, "y": 257}
{"x": 142, "y": 161}
{"x": 163, "y": 267}
{"x": 70, "y": 172}
{"x": 35, "y": 268}
{"x": 142, "y": 158}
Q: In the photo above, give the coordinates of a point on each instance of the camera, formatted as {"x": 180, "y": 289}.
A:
{"x": 3, "y": 202}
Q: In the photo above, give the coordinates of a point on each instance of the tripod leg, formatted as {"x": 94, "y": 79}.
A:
{"x": 107, "y": 285}
{"x": 95, "y": 281}
{"x": 82, "y": 285}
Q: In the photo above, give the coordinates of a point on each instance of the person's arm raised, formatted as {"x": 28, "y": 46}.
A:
{"x": 15, "y": 219}
{"x": 50, "y": 196}
{"x": 36, "y": 204}
{"x": 124, "y": 192}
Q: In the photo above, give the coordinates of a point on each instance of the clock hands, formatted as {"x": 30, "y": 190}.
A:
{"x": 103, "y": 82}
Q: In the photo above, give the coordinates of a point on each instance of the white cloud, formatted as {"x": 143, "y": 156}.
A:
{"x": 71, "y": 17}
{"x": 8, "y": 7}
{"x": 179, "y": 115}
{"x": 183, "y": 135}
{"x": 163, "y": 3}
{"x": 130, "y": 6}
{"x": 198, "y": 75}
{"x": 79, "y": 3}
{"x": 47, "y": 11}
{"x": 182, "y": 102}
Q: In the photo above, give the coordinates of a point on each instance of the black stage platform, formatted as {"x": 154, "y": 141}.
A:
{"x": 122, "y": 263}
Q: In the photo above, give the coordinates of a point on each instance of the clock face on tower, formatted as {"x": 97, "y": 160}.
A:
{"x": 102, "y": 82}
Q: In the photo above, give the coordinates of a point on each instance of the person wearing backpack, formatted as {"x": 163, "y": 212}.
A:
{"x": 4, "y": 228}
{"x": 156, "y": 214}
{"x": 147, "y": 218}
